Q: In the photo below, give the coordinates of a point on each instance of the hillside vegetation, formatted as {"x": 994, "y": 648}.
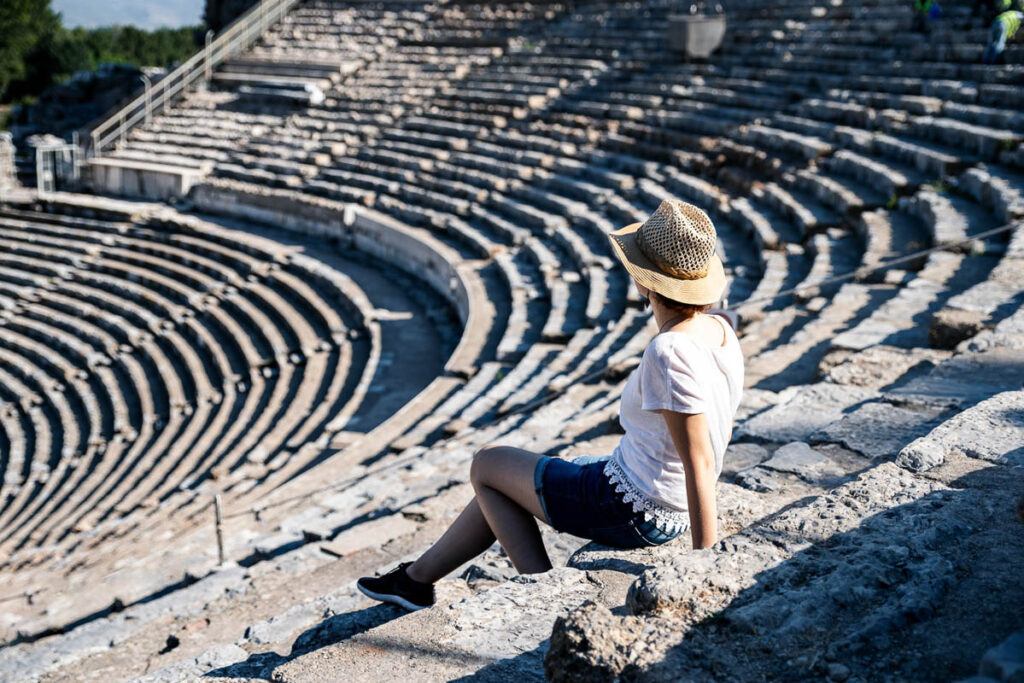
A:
{"x": 38, "y": 51}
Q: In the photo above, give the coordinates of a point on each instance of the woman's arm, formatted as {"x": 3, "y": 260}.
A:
{"x": 690, "y": 435}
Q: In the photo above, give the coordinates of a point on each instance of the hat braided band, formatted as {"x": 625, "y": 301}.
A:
{"x": 665, "y": 266}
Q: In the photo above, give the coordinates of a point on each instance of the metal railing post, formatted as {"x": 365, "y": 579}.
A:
{"x": 207, "y": 53}
{"x": 40, "y": 172}
{"x": 238, "y": 36}
{"x": 76, "y": 159}
{"x": 148, "y": 111}
{"x": 218, "y": 517}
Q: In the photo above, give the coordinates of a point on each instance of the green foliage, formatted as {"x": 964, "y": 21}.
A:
{"x": 127, "y": 44}
{"x": 941, "y": 186}
{"x": 23, "y": 24}
{"x": 893, "y": 202}
{"x": 36, "y": 51}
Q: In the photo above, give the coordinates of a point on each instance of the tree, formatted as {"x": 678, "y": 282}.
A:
{"x": 23, "y": 23}
{"x": 36, "y": 51}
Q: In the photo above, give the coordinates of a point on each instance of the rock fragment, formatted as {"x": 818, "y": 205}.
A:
{"x": 992, "y": 430}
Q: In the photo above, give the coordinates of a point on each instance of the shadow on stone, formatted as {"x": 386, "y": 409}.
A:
{"x": 332, "y": 630}
{"x": 524, "y": 667}
{"x": 916, "y": 588}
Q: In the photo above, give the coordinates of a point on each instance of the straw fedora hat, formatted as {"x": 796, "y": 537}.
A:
{"x": 673, "y": 253}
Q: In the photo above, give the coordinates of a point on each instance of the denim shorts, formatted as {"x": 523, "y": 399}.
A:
{"x": 578, "y": 499}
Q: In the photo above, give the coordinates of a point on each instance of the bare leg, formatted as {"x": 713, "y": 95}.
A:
{"x": 503, "y": 479}
{"x": 505, "y": 506}
{"x": 467, "y": 537}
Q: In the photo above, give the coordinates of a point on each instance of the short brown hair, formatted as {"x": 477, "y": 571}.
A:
{"x": 689, "y": 310}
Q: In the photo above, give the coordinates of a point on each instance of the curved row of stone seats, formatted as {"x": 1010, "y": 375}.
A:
{"x": 334, "y": 26}
{"x": 82, "y": 426}
{"x": 513, "y": 209}
{"x": 834, "y": 193}
{"x": 922, "y": 156}
{"x": 906, "y": 311}
{"x": 24, "y": 397}
{"x": 15, "y": 419}
{"x": 821, "y": 180}
{"x": 903, "y": 320}
{"x": 467, "y": 24}
{"x": 329, "y": 392}
{"x": 283, "y": 628}
{"x": 43, "y": 471}
{"x": 805, "y": 73}
{"x": 303, "y": 334}
{"x": 450, "y": 464}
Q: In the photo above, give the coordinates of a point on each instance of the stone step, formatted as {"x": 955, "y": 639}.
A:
{"x": 825, "y": 567}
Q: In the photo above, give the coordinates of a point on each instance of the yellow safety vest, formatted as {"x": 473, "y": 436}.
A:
{"x": 1012, "y": 22}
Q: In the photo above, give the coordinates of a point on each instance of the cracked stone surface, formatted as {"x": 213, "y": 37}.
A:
{"x": 501, "y": 633}
{"x": 878, "y": 366}
{"x": 805, "y": 410}
{"x": 965, "y": 379}
{"x": 879, "y": 429}
{"x": 992, "y": 430}
{"x": 800, "y": 459}
{"x": 853, "y": 568}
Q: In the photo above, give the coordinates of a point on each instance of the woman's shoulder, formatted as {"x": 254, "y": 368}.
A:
{"x": 671, "y": 349}
{"x": 680, "y": 343}
{"x": 667, "y": 343}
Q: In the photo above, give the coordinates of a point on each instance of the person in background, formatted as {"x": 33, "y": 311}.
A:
{"x": 1004, "y": 27}
{"x": 925, "y": 12}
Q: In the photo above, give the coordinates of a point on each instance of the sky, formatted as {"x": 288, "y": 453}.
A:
{"x": 147, "y": 14}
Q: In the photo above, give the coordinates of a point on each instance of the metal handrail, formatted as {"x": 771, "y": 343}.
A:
{"x": 242, "y": 33}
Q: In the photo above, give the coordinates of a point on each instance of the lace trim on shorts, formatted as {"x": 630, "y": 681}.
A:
{"x": 653, "y": 510}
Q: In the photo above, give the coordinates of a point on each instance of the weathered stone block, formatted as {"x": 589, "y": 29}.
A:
{"x": 808, "y": 409}
{"x": 949, "y": 327}
{"x": 992, "y": 430}
{"x": 877, "y": 366}
{"x": 880, "y": 429}
{"x": 591, "y": 645}
{"x": 1005, "y": 662}
{"x": 965, "y": 379}
{"x": 742, "y": 456}
{"x": 759, "y": 479}
{"x": 800, "y": 459}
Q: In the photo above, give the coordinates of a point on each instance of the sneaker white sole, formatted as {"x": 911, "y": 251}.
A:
{"x": 393, "y": 599}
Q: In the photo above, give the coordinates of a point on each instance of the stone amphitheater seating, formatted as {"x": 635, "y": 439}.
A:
{"x": 149, "y": 358}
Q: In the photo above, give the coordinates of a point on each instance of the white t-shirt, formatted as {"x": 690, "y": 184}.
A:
{"x": 678, "y": 373}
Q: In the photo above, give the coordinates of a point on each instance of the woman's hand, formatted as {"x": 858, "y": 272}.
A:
{"x": 693, "y": 443}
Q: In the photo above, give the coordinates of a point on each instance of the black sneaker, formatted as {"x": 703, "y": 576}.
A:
{"x": 397, "y": 588}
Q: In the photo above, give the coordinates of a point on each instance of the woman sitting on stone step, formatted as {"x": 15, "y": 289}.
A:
{"x": 677, "y": 411}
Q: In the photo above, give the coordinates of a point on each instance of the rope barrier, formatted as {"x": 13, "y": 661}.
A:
{"x": 593, "y": 374}
{"x": 885, "y": 265}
